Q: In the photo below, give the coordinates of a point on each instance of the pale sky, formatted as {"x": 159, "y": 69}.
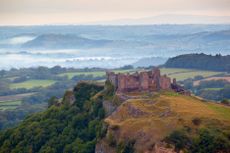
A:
{"x": 33, "y": 12}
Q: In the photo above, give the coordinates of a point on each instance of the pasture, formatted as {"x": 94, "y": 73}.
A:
{"x": 32, "y": 83}
{"x": 12, "y": 101}
{"x": 9, "y": 105}
{"x": 70, "y": 75}
{"x": 222, "y": 110}
{"x": 15, "y": 97}
{"x": 179, "y": 74}
{"x": 182, "y": 74}
{"x": 226, "y": 78}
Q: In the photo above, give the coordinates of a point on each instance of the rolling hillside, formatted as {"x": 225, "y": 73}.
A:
{"x": 150, "y": 120}
{"x": 63, "y": 41}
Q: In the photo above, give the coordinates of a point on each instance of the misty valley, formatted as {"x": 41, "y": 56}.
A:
{"x": 92, "y": 46}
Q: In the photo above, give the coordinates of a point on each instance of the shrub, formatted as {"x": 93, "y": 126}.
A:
{"x": 196, "y": 121}
{"x": 180, "y": 139}
{"x": 210, "y": 141}
{"x": 225, "y": 102}
{"x": 109, "y": 89}
{"x": 125, "y": 147}
{"x": 111, "y": 140}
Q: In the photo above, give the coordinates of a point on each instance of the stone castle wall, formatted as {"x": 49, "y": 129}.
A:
{"x": 143, "y": 81}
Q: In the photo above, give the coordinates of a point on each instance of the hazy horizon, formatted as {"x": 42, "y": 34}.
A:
{"x": 58, "y": 12}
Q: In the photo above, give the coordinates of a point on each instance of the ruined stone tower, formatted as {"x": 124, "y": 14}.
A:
{"x": 143, "y": 81}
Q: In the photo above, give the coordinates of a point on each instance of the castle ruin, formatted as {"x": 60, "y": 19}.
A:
{"x": 142, "y": 81}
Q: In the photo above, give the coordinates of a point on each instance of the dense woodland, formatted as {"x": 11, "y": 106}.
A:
{"x": 200, "y": 61}
{"x": 66, "y": 128}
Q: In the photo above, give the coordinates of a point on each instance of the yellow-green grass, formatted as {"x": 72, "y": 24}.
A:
{"x": 12, "y": 78}
{"x": 15, "y": 97}
{"x": 170, "y": 71}
{"x": 182, "y": 74}
{"x": 179, "y": 74}
{"x": 94, "y": 73}
{"x": 158, "y": 116}
{"x": 72, "y": 74}
{"x": 224, "y": 111}
{"x": 32, "y": 83}
{"x": 213, "y": 89}
{"x": 8, "y": 105}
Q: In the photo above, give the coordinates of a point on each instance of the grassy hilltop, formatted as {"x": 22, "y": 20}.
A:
{"x": 150, "y": 120}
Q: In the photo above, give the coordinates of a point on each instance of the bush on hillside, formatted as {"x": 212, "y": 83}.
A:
{"x": 204, "y": 141}
{"x": 180, "y": 139}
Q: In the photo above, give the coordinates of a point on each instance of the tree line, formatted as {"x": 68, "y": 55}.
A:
{"x": 200, "y": 61}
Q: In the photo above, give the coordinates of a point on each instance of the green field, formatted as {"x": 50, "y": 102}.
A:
{"x": 8, "y": 105}
{"x": 94, "y": 73}
{"x": 222, "y": 110}
{"x": 213, "y": 89}
{"x": 32, "y": 83}
{"x": 182, "y": 74}
{"x": 11, "y": 78}
{"x": 179, "y": 74}
{"x": 171, "y": 71}
{"x": 70, "y": 75}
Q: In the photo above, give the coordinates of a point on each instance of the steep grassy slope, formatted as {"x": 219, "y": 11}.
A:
{"x": 150, "y": 120}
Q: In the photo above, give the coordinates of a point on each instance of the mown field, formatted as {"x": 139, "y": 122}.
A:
{"x": 32, "y": 83}
{"x": 226, "y": 78}
{"x": 70, "y": 75}
{"x": 179, "y": 74}
{"x": 213, "y": 89}
{"x": 12, "y": 101}
{"x": 94, "y": 73}
{"x": 9, "y": 105}
{"x": 182, "y": 74}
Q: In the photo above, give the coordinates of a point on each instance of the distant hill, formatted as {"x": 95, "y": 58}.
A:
{"x": 152, "y": 61}
{"x": 153, "y": 40}
{"x": 200, "y": 61}
{"x": 198, "y": 39}
{"x": 168, "y": 19}
{"x": 63, "y": 41}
